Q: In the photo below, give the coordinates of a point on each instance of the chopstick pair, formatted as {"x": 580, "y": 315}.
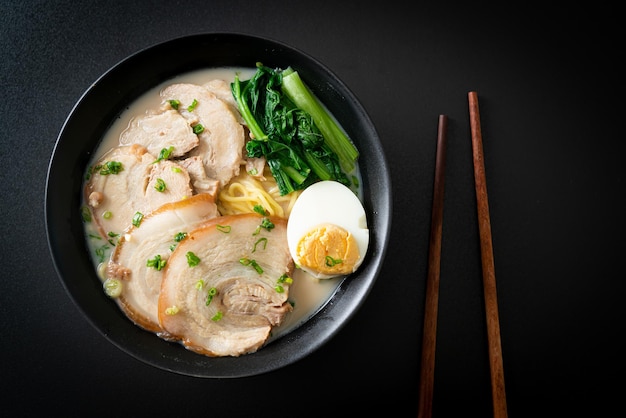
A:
{"x": 429, "y": 337}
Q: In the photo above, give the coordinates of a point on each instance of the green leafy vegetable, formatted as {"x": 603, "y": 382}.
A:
{"x": 297, "y": 91}
{"x": 298, "y": 152}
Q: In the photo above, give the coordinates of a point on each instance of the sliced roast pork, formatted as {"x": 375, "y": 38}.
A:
{"x": 141, "y": 254}
{"x": 221, "y": 88}
{"x": 128, "y": 180}
{"x": 162, "y": 130}
{"x": 224, "y": 287}
{"x": 222, "y": 140}
{"x": 200, "y": 181}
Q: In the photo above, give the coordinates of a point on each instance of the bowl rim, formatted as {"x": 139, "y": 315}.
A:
{"x": 79, "y": 136}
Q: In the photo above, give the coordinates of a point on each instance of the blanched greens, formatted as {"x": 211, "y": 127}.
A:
{"x": 300, "y": 141}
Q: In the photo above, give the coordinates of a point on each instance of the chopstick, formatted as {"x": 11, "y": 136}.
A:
{"x": 486, "y": 250}
{"x": 429, "y": 337}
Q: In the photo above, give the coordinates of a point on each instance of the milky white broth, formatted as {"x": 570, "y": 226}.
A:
{"x": 307, "y": 293}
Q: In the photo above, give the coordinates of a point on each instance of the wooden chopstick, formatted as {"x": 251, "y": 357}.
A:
{"x": 429, "y": 337}
{"x": 486, "y": 250}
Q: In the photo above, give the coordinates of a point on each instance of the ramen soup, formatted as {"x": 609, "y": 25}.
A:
{"x": 134, "y": 145}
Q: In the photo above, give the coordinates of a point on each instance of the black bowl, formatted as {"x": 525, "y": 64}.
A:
{"x": 81, "y": 135}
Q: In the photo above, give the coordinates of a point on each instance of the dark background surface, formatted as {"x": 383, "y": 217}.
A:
{"x": 552, "y": 120}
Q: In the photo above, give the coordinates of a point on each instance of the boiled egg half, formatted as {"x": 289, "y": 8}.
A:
{"x": 327, "y": 230}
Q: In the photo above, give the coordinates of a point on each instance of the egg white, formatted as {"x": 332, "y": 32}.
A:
{"x": 327, "y": 202}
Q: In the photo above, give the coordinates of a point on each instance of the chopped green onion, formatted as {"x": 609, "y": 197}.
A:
{"x": 137, "y": 219}
{"x": 112, "y": 287}
{"x": 198, "y": 129}
{"x": 112, "y": 235}
{"x": 101, "y": 252}
{"x": 282, "y": 279}
{"x": 107, "y": 214}
{"x": 209, "y": 297}
{"x": 111, "y": 167}
{"x": 223, "y": 228}
{"x": 85, "y": 213}
{"x": 266, "y": 224}
{"x": 217, "y": 316}
{"x": 160, "y": 185}
{"x": 174, "y": 104}
{"x": 192, "y": 106}
{"x": 172, "y": 310}
{"x": 330, "y": 262}
{"x": 180, "y": 236}
{"x": 252, "y": 263}
{"x": 285, "y": 279}
{"x": 164, "y": 154}
{"x": 260, "y": 210}
{"x": 260, "y": 240}
{"x": 199, "y": 284}
{"x": 192, "y": 259}
{"x": 157, "y": 262}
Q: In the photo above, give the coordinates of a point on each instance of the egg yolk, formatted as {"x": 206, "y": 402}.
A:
{"x": 328, "y": 249}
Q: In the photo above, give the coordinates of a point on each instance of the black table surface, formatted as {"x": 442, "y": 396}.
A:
{"x": 553, "y": 135}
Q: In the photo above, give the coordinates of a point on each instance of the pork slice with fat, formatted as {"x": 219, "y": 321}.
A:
{"x": 115, "y": 196}
{"x": 227, "y": 303}
{"x": 155, "y": 238}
